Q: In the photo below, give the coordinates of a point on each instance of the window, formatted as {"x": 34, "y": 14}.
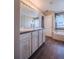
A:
{"x": 59, "y": 23}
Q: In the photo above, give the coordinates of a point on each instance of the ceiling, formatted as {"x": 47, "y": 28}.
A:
{"x": 53, "y": 5}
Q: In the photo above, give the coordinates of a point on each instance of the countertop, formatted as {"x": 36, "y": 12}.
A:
{"x": 29, "y": 30}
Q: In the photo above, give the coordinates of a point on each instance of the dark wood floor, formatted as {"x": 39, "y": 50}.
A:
{"x": 50, "y": 50}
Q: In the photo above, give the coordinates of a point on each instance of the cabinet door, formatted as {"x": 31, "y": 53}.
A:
{"x": 34, "y": 41}
{"x": 40, "y": 38}
{"x": 25, "y": 45}
{"x": 43, "y": 35}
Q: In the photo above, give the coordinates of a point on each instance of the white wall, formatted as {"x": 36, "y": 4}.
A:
{"x": 16, "y": 29}
{"x": 48, "y": 25}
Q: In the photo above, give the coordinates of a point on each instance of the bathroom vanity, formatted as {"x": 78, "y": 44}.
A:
{"x": 30, "y": 41}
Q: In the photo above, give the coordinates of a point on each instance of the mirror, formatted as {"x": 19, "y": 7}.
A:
{"x": 29, "y": 18}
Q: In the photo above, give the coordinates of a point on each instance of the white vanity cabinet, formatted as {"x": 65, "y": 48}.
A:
{"x": 30, "y": 42}
{"x": 25, "y": 45}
